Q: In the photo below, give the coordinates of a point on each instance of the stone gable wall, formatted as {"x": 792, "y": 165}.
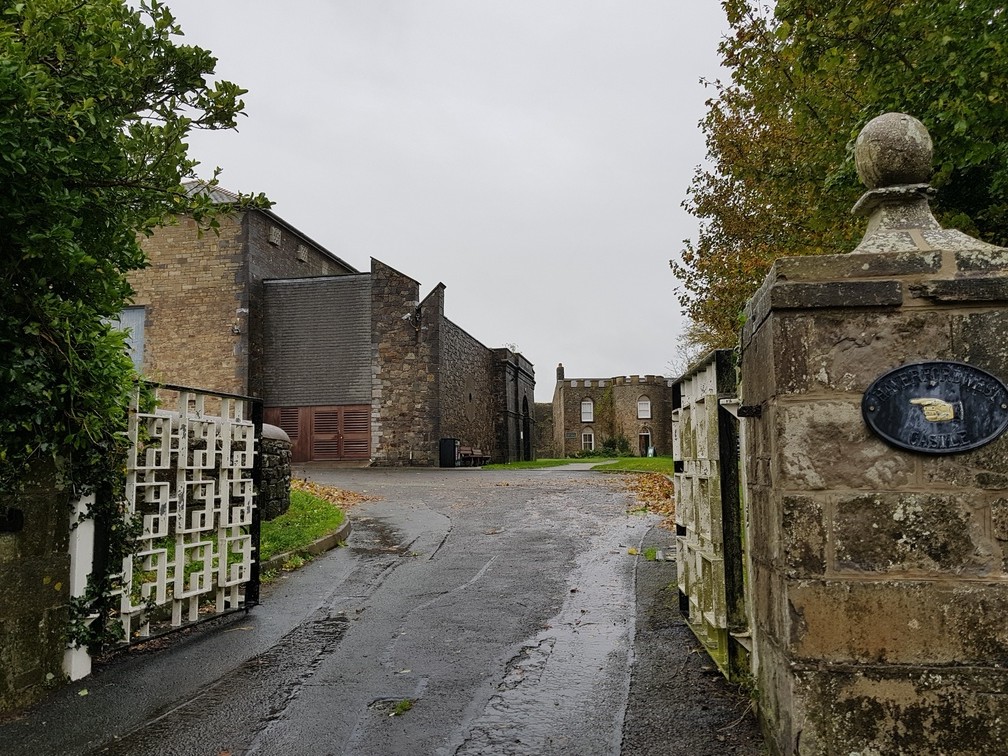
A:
{"x": 204, "y": 298}
{"x": 405, "y": 339}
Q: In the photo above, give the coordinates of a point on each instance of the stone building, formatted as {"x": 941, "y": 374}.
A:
{"x": 352, "y": 365}
{"x": 633, "y": 411}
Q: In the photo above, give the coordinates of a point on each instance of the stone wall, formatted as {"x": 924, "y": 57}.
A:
{"x": 466, "y": 390}
{"x": 405, "y": 339}
{"x": 879, "y": 576}
{"x": 545, "y": 443}
{"x": 275, "y": 463}
{"x": 196, "y": 310}
{"x": 34, "y": 575}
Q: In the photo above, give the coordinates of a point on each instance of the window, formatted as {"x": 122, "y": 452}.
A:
{"x": 587, "y": 440}
{"x": 131, "y": 320}
{"x": 643, "y": 408}
{"x": 302, "y": 253}
{"x": 275, "y": 236}
{"x": 587, "y": 411}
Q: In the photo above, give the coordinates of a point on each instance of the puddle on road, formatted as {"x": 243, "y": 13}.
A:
{"x": 565, "y": 690}
{"x": 373, "y": 537}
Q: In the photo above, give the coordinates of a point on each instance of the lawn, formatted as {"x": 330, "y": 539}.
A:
{"x": 639, "y": 464}
{"x": 309, "y": 518}
{"x": 315, "y": 511}
{"x": 532, "y": 464}
{"x": 624, "y": 464}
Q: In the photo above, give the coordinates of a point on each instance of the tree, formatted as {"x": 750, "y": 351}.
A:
{"x": 805, "y": 76}
{"x": 96, "y": 101}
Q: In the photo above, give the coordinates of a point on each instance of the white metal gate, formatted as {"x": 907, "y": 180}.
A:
{"x": 191, "y": 481}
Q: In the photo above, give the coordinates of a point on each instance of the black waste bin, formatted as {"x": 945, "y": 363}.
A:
{"x": 448, "y": 452}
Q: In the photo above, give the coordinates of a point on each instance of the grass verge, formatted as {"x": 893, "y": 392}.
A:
{"x": 664, "y": 465}
{"x": 315, "y": 511}
{"x": 532, "y": 464}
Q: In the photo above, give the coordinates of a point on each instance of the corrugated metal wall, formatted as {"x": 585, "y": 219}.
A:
{"x": 319, "y": 332}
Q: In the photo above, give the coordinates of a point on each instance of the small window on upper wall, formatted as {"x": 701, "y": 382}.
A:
{"x": 275, "y": 236}
{"x": 587, "y": 411}
{"x": 132, "y": 320}
{"x": 643, "y": 408}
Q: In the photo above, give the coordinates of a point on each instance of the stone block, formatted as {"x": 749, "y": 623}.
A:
{"x": 999, "y": 528}
{"x": 924, "y": 622}
{"x": 988, "y": 260}
{"x": 758, "y": 366}
{"x": 966, "y": 290}
{"x": 755, "y": 312}
{"x": 803, "y": 536}
{"x": 846, "y": 351}
{"x": 835, "y": 294}
{"x": 31, "y": 586}
{"x": 854, "y": 266}
{"x": 770, "y": 609}
{"x": 825, "y": 445}
{"x": 764, "y": 527}
{"x": 31, "y": 655}
{"x": 985, "y": 468}
{"x": 912, "y": 532}
{"x": 979, "y": 339}
{"x": 913, "y": 710}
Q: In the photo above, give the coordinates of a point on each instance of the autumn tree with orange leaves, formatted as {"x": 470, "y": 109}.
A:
{"x": 804, "y": 77}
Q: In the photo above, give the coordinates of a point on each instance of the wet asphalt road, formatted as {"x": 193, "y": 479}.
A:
{"x": 501, "y": 605}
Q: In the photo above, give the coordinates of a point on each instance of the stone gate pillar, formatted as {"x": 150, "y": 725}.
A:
{"x": 878, "y": 498}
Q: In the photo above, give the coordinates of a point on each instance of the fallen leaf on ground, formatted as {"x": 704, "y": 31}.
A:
{"x": 656, "y": 494}
{"x": 337, "y": 496}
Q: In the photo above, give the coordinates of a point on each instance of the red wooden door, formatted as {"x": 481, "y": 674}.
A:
{"x": 325, "y": 433}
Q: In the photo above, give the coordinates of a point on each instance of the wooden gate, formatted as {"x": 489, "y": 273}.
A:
{"x": 327, "y": 433}
{"x": 709, "y": 534}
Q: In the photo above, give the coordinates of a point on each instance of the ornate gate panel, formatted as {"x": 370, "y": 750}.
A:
{"x": 191, "y": 479}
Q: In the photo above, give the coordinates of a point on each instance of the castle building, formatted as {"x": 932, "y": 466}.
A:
{"x": 622, "y": 414}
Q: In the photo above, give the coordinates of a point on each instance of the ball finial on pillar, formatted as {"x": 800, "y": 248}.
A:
{"x": 893, "y": 149}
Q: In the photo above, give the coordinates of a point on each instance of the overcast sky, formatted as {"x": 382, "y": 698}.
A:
{"x": 530, "y": 154}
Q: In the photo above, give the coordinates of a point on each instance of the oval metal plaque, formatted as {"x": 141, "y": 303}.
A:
{"x": 937, "y": 407}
